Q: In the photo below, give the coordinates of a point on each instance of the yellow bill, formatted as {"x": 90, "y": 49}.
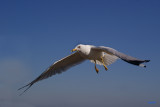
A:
{"x": 73, "y": 50}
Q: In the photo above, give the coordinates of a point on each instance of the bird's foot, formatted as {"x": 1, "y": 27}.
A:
{"x": 97, "y": 70}
{"x": 105, "y": 68}
{"x": 104, "y": 64}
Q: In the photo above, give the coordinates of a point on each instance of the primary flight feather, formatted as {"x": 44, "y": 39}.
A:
{"x": 99, "y": 55}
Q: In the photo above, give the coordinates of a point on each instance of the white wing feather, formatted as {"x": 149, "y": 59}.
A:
{"x": 108, "y": 59}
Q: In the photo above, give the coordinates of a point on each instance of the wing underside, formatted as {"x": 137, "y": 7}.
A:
{"x": 57, "y": 68}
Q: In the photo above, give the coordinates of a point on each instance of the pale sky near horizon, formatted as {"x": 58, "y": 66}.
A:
{"x": 36, "y": 33}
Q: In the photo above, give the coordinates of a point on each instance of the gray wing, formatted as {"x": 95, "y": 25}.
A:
{"x": 124, "y": 57}
{"x": 57, "y": 68}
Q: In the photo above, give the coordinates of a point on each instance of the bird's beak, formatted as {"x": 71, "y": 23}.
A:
{"x": 73, "y": 50}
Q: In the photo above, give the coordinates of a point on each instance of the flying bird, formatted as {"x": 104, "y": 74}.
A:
{"x": 98, "y": 55}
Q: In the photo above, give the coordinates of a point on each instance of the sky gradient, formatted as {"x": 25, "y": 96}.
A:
{"x": 36, "y": 33}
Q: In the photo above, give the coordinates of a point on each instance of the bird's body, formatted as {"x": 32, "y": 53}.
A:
{"x": 99, "y": 55}
{"x": 87, "y": 52}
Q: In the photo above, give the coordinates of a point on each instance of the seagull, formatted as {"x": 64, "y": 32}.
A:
{"x": 97, "y": 54}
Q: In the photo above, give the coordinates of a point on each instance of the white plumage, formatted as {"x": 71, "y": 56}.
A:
{"x": 108, "y": 59}
{"x": 99, "y": 55}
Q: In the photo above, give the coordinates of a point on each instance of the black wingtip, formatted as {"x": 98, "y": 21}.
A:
{"x": 28, "y": 86}
{"x": 23, "y": 87}
{"x": 147, "y": 60}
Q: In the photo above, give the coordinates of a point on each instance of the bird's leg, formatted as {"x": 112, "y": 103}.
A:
{"x": 96, "y": 67}
{"x": 104, "y": 64}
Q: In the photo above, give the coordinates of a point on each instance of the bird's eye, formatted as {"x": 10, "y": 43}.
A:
{"x": 79, "y": 47}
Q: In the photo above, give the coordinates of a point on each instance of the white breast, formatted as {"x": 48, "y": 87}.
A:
{"x": 95, "y": 55}
{"x": 87, "y": 52}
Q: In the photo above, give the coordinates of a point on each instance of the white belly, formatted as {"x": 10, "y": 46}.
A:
{"x": 95, "y": 55}
{"x": 91, "y": 54}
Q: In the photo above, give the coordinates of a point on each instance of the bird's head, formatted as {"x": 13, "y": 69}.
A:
{"x": 82, "y": 48}
{"x": 77, "y": 48}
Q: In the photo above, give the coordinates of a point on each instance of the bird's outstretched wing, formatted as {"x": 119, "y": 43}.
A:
{"x": 57, "y": 68}
{"x": 124, "y": 57}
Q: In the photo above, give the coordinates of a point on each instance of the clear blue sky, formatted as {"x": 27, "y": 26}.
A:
{"x": 35, "y": 33}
